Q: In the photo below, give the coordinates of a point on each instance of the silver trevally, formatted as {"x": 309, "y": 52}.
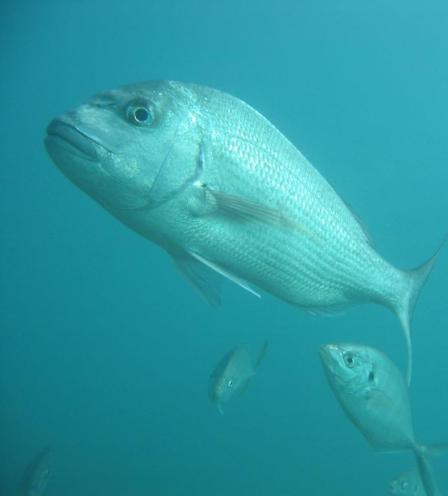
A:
{"x": 37, "y": 474}
{"x": 407, "y": 484}
{"x": 232, "y": 375}
{"x": 217, "y": 186}
{"x": 374, "y": 396}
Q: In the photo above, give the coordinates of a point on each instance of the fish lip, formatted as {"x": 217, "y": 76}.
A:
{"x": 69, "y": 134}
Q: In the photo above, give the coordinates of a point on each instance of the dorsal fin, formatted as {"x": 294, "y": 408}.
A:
{"x": 361, "y": 224}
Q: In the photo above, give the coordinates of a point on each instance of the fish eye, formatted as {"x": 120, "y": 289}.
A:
{"x": 140, "y": 113}
{"x": 371, "y": 376}
{"x": 349, "y": 360}
{"x": 229, "y": 383}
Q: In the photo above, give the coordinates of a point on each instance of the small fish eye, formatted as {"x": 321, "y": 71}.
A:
{"x": 348, "y": 359}
{"x": 229, "y": 383}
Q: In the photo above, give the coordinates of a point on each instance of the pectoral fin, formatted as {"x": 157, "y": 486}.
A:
{"x": 243, "y": 210}
{"x": 243, "y": 388}
{"x": 378, "y": 400}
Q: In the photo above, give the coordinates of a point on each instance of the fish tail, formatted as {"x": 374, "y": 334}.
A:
{"x": 424, "y": 468}
{"x": 435, "y": 449}
{"x": 404, "y": 306}
{"x": 261, "y": 355}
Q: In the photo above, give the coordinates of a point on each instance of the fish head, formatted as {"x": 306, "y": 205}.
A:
{"x": 130, "y": 148}
{"x": 350, "y": 368}
{"x": 223, "y": 389}
{"x": 38, "y": 473}
{"x": 406, "y": 484}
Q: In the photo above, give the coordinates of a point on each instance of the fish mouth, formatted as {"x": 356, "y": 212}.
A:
{"x": 73, "y": 139}
{"x": 393, "y": 486}
{"x": 328, "y": 352}
{"x": 330, "y": 358}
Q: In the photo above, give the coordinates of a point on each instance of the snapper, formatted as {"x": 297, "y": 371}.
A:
{"x": 220, "y": 189}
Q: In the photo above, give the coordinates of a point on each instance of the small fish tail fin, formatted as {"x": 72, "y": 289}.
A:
{"x": 424, "y": 468}
{"x": 436, "y": 449}
{"x": 261, "y": 355}
{"x": 404, "y": 308}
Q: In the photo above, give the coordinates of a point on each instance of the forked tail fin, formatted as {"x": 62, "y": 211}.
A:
{"x": 404, "y": 308}
{"x": 261, "y": 355}
{"x": 424, "y": 467}
{"x": 426, "y": 475}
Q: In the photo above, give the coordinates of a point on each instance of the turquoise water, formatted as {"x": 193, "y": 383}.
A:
{"x": 105, "y": 352}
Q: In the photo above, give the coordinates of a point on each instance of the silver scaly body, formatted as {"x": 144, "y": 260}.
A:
{"x": 215, "y": 184}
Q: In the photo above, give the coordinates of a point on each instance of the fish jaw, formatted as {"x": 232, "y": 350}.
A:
{"x": 332, "y": 361}
{"x": 89, "y": 161}
{"x": 74, "y": 153}
{"x": 65, "y": 131}
{"x": 328, "y": 354}
{"x": 217, "y": 401}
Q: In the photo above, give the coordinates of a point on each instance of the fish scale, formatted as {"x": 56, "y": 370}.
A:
{"x": 289, "y": 167}
{"x": 301, "y": 253}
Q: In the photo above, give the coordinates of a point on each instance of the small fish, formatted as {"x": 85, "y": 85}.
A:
{"x": 37, "y": 474}
{"x": 221, "y": 190}
{"x": 232, "y": 375}
{"x": 374, "y": 396}
{"x": 407, "y": 484}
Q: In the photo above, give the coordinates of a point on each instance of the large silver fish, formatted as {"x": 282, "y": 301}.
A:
{"x": 217, "y": 186}
{"x": 233, "y": 374}
{"x": 374, "y": 396}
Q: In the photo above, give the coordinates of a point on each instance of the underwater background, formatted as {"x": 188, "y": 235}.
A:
{"x": 106, "y": 352}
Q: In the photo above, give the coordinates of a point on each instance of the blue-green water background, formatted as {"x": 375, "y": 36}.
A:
{"x": 105, "y": 352}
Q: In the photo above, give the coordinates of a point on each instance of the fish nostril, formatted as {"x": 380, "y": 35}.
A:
{"x": 103, "y": 100}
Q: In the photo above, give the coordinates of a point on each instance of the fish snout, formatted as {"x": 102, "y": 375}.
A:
{"x": 64, "y": 132}
{"x": 330, "y": 358}
{"x": 393, "y": 487}
{"x": 328, "y": 350}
